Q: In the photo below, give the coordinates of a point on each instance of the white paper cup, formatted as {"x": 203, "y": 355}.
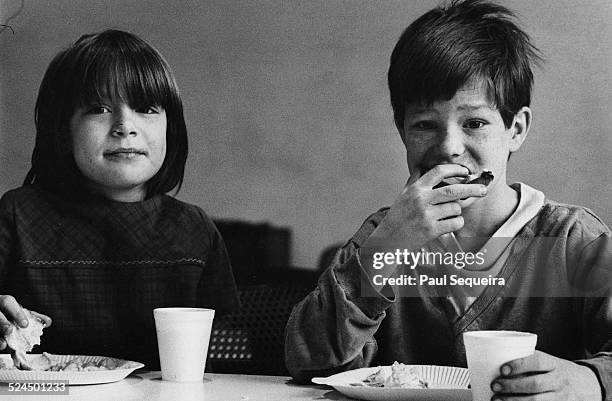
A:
{"x": 487, "y": 351}
{"x": 182, "y": 339}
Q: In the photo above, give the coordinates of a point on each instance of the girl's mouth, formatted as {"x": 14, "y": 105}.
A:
{"x": 125, "y": 153}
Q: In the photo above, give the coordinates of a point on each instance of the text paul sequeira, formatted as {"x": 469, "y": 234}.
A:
{"x": 410, "y": 259}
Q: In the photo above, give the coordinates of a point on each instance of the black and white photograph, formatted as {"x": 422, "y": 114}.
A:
{"x": 306, "y": 200}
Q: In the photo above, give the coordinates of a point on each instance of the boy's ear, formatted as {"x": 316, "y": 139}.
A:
{"x": 520, "y": 128}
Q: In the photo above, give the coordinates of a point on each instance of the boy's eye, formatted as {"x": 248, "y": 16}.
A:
{"x": 474, "y": 124}
{"x": 423, "y": 125}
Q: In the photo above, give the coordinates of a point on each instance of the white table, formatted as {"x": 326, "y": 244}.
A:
{"x": 215, "y": 387}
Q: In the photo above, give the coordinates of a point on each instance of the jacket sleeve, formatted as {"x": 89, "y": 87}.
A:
{"x": 333, "y": 328}
{"x": 596, "y": 310}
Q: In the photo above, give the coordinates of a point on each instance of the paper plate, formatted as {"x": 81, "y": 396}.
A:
{"x": 446, "y": 383}
{"x": 74, "y": 378}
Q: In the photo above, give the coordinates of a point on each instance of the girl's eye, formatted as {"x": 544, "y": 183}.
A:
{"x": 99, "y": 110}
{"x": 474, "y": 124}
{"x": 149, "y": 110}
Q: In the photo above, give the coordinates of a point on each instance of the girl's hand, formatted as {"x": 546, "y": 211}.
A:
{"x": 11, "y": 313}
{"x": 421, "y": 213}
{"x": 542, "y": 377}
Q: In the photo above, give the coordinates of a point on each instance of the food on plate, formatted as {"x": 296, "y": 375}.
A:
{"x": 78, "y": 364}
{"x": 21, "y": 340}
{"x": 28, "y": 362}
{"x": 396, "y": 375}
{"x": 485, "y": 179}
{"x": 54, "y": 363}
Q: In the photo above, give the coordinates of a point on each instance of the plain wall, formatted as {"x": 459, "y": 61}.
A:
{"x": 287, "y": 106}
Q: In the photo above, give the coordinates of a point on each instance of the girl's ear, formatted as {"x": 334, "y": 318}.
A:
{"x": 520, "y": 128}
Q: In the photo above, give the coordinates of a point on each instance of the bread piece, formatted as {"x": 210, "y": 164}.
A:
{"x": 21, "y": 340}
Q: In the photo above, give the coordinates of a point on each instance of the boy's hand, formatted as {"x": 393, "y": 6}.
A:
{"x": 12, "y": 313}
{"x": 542, "y": 376}
{"x": 421, "y": 213}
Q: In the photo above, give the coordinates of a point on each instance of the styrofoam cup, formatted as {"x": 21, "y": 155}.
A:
{"x": 183, "y": 335}
{"x": 487, "y": 351}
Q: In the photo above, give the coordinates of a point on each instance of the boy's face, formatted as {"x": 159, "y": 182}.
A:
{"x": 118, "y": 149}
{"x": 465, "y": 130}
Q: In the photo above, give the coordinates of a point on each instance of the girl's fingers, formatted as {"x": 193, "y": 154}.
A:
{"x": 11, "y": 311}
{"x": 4, "y": 321}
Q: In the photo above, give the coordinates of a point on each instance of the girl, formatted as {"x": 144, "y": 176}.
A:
{"x": 91, "y": 239}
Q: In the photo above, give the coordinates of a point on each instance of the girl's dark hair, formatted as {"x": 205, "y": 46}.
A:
{"x": 449, "y": 45}
{"x": 108, "y": 65}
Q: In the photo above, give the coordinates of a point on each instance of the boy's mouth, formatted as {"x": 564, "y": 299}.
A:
{"x": 426, "y": 167}
{"x": 484, "y": 178}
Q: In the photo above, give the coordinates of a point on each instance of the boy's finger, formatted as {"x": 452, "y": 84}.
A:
{"x": 12, "y": 311}
{"x": 442, "y": 171}
{"x": 455, "y": 192}
{"x": 538, "y": 362}
{"x": 2, "y": 344}
{"x": 450, "y": 224}
{"x": 446, "y": 210}
{"x": 524, "y": 384}
{"x": 414, "y": 176}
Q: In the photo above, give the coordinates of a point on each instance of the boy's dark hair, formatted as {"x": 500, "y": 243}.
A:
{"x": 449, "y": 45}
{"x": 107, "y": 65}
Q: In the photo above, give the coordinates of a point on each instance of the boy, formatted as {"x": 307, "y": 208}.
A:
{"x": 460, "y": 82}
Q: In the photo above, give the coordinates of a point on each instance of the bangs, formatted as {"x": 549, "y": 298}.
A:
{"x": 440, "y": 80}
{"x": 467, "y": 41}
{"x": 435, "y": 65}
{"x": 123, "y": 71}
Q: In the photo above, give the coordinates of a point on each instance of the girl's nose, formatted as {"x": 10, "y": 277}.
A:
{"x": 124, "y": 124}
{"x": 451, "y": 142}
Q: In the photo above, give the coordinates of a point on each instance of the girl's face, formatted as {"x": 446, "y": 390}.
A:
{"x": 118, "y": 149}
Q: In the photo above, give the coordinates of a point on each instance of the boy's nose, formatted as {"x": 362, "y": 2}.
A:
{"x": 451, "y": 142}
